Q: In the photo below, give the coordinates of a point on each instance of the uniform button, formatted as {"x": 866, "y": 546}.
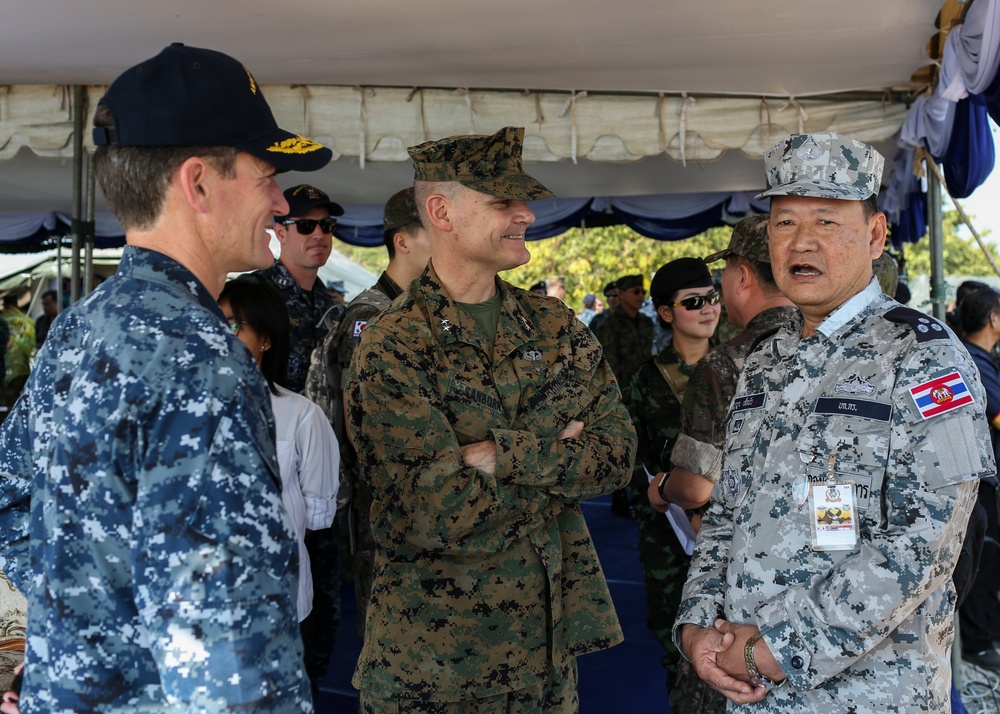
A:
{"x": 952, "y": 597}
{"x": 797, "y": 662}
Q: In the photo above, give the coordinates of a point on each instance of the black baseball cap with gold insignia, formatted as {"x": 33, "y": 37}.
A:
{"x": 489, "y": 164}
{"x": 189, "y": 96}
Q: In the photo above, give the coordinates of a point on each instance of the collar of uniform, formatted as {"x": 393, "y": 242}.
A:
{"x": 146, "y": 264}
{"x": 850, "y": 309}
{"x": 770, "y": 318}
{"x": 388, "y": 286}
{"x": 450, "y": 323}
{"x": 284, "y": 281}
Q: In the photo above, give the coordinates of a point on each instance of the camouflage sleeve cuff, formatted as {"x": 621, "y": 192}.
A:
{"x": 697, "y": 457}
{"x": 700, "y": 610}
{"x": 793, "y": 654}
{"x": 517, "y": 452}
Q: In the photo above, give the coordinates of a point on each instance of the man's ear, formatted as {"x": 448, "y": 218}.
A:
{"x": 878, "y": 232}
{"x": 194, "y": 178}
{"x": 281, "y": 232}
{"x": 439, "y": 212}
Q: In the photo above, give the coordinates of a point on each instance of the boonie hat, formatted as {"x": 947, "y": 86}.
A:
{"x": 679, "y": 274}
{"x": 749, "y": 240}
{"x": 489, "y": 164}
{"x": 304, "y": 197}
{"x": 189, "y": 96}
{"x": 822, "y": 165}
{"x": 400, "y": 210}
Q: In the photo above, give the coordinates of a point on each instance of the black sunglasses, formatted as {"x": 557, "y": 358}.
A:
{"x": 305, "y": 226}
{"x": 698, "y": 301}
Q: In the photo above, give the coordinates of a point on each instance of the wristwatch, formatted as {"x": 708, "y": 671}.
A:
{"x": 756, "y": 678}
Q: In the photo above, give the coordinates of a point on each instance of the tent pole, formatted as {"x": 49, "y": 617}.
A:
{"x": 88, "y": 244}
{"x": 935, "y": 227}
{"x": 79, "y": 95}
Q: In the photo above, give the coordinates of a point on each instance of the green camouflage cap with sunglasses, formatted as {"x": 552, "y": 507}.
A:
{"x": 822, "y": 165}
{"x": 749, "y": 240}
{"x": 489, "y": 164}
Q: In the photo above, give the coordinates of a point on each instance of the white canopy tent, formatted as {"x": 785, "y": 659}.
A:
{"x": 585, "y": 78}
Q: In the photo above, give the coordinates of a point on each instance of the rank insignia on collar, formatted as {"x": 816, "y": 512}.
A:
{"x": 446, "y": 326}
{"x": 854, "y": 385}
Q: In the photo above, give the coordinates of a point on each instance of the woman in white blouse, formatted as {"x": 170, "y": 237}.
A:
{"x": 308, "y": 452}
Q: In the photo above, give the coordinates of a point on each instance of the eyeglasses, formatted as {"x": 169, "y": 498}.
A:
{"x": 637, "y": 291}
{"x": 235, "y": 326}
{"x": 305, "y": 226}
{"x": 698, "y": 301}
{"x": 610, "y": 295}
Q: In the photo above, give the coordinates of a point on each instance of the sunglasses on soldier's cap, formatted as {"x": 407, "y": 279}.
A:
{"x": 698, "y": 301}
{"x": 305, "y": 226}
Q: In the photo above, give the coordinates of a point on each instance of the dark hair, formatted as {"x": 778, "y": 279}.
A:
{"x": 134, "y": 180}
{"x": 869, "y": 207}
{"x": 255, "y": 301}
{"x": 50, "y": 293}
{"x": 967, "y": 288}
{"x": 977, "y": 308}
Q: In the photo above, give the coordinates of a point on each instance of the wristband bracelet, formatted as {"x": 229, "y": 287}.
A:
{"x": 659, "y": 486}
{"x": 756, "y": 678}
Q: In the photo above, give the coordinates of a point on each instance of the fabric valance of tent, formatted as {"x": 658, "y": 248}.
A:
{"x": 378, "y": 123}
{"x": 951, "y": 123}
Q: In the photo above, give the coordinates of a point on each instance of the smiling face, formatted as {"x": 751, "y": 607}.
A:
{"x": 248, "y": 200}
{"x": 489, "y": 231}
{"x": 696, "y": 324}
{"x": 822, "y": 251}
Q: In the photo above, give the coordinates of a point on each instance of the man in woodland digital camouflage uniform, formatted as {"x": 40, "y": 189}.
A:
{"x": 822, "y": 579}
{"x": 140, "y": 509}
{"x": 482, "y": 414}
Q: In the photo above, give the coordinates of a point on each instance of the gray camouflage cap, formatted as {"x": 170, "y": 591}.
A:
{"x": 489, "y": 164}
{"x": 749, "y": 240}
{"x": 400, "y": 210}
{"x": 822, "y": 165}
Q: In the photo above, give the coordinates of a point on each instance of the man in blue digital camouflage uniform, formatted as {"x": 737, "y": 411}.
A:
{"x": 140, "y": 509}
{"x": 822, "y": 578}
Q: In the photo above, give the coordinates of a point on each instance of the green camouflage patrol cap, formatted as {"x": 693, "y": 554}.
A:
{"x": 823, "y": 165}
{"x": 629, "y": 281}
{"x": 400, "y": 210}
{"x": 489, "y": 164}
{"x": 749, "y": 240}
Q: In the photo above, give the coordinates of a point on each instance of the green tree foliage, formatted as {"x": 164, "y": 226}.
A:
{"x": 962, "y": 255}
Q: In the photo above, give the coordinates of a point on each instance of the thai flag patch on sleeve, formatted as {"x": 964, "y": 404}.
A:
{"x": 941, "y": 395}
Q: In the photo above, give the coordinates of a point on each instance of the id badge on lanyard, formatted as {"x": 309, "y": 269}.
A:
{"x": 833, "y": 515}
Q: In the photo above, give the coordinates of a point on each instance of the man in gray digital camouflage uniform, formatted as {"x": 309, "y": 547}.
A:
{"x": 482, "y": 414}
{"x": 822, "y": 577}
{"x": 140, "y": 507}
